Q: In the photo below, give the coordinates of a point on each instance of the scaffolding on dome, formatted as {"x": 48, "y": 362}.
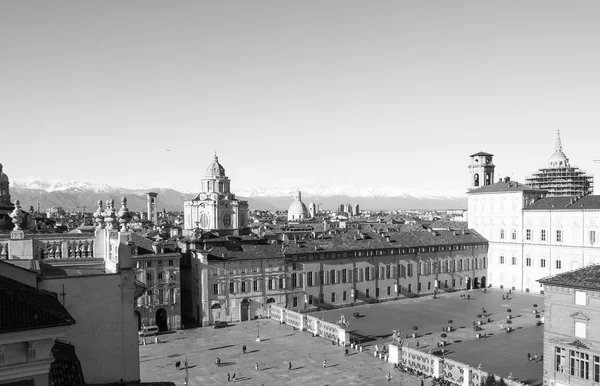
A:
{"x": 565, "y": 181}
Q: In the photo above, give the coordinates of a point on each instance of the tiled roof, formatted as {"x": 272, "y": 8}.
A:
{"x": 566, "y": 202}
{"x": 144, "y": 244}
{"x": 448, "y": 224}
{"x": 48, "y": 270}
{"x": 25, "y": 308}
{"x": 584, "y": 278}
{"x": 349, "y": 240}
{"x": 66, "y": 368}
{"x": 501, "y": 186}
{"x": 480, "y": 153}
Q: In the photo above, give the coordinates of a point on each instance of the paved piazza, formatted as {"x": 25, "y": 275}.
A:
{"x": 500, "y": 353}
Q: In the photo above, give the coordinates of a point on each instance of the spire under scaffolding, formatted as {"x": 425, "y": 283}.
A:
{"x": 559, "y": 178}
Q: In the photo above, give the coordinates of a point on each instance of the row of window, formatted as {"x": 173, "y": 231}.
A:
{"x": 529, "y": 262}
{"x": 385, "y": 272}
{"x": 170, "y": 262}
{"x": 248, "y": 286}
{"x": 273, "y": 284}
{"x": 160, "y": 277}
{"x": 232, "y": 270}
{"x": 160, "y": 296}
{"x": 577, "y": 364}
{"x": 559, "y": 235}
{"x": 386, "y": 252}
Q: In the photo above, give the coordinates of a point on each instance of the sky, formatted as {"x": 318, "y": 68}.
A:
{"x": 296, "y": 94}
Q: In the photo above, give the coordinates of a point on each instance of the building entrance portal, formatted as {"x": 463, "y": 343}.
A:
{"x": 244, "y": 310}
{"x": 161, "y": 320}
{"x": 216, "y": 312}
{"x": 475, "y": 283}
{"x": 483, "y": 283}
{"x": 468, "y": 283}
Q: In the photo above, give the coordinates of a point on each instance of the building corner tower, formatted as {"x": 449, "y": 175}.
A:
{"x": 482, "y": 170}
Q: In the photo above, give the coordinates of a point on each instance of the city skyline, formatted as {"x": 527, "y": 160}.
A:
{"x": 293, "y": 96}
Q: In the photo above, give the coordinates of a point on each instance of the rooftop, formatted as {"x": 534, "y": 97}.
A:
{"x": 351, "y": 240}
{"x": 584, "y": 278}
{"x": 26, "y": 308}
{"x": 504, "y": 186}
{"x": 566, "y": 203}
{"x": 480, "y": 153}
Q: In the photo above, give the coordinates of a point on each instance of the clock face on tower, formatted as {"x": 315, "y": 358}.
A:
{"x": 203, "y": 220}
{"x": 227, "y": 220}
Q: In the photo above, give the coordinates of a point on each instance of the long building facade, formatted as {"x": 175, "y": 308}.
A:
{"x": 237, "y": 282}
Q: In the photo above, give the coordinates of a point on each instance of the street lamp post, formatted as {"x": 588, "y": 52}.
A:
{"x": 258, "y": 331}
{"x": 479, "y": 371}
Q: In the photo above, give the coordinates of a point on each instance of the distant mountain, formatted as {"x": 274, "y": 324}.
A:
{"x": 76, "y": 195}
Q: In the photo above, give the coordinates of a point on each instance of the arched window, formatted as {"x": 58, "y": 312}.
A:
{"x": 216, "y": 306}
{"x": 476, "y": 179}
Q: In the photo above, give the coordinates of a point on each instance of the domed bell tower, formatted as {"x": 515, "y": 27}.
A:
{"x": 482, "y": 170}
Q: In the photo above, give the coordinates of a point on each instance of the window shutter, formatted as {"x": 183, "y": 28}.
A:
{"x": 349, "y": 276}
{"x": 300, "y": 280}
{"x": 337, "y": 276}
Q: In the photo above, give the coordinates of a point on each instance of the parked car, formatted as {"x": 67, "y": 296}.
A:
{"x": 220, "y": 324}
{"x": 148, "y": 331}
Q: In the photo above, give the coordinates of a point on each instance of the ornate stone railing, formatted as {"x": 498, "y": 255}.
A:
{"x": 453, "y": 371}
{"x": 315, "y": 326}
{"x": 275, "y": 313}
{"x": 457, "y": 373}
{"x": 418, "y": 360}
{"x": 311, "y": 324}
{"x": 293, "y": 319}
{"x": 65, "y": 249}
{"x": 328, "y": 330}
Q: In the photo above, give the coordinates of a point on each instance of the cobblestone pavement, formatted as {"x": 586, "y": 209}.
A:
{"x": 280, "y": 344}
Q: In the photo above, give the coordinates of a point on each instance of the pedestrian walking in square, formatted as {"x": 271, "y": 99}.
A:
{"x": 528, "y": 356}
{"x": 324, "y": 363}
{"x": 228, "y": 377}
{"x": 244, "y": 349}
{"x": 233, "y": 377}
{"x": 289, "y": 366}
{"x": 421, "y": 382}
{"x": 256, "y": 366}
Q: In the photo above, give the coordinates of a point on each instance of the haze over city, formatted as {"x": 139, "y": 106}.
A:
{"x": 295, "y": 95}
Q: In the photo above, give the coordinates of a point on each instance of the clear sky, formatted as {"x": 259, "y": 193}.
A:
{"x": 296, "y": 93}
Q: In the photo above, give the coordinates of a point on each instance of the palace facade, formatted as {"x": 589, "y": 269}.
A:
{"x": 236, "y": 280}
{"x": 532, "y": 235}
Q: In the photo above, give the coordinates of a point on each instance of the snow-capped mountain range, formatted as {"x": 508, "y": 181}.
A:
{"x": 77, "y": 195}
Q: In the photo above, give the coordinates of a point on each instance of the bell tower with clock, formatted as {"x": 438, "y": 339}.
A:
{"x": 215, "y": 207}
{"x": 482, "y": 170}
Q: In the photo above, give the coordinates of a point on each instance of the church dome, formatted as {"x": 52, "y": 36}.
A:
{"x": 558, "y": 159}
{"x": 215, "y": 170}
{"x": 297, "y": 210}
{"x": 3, "y": 177}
